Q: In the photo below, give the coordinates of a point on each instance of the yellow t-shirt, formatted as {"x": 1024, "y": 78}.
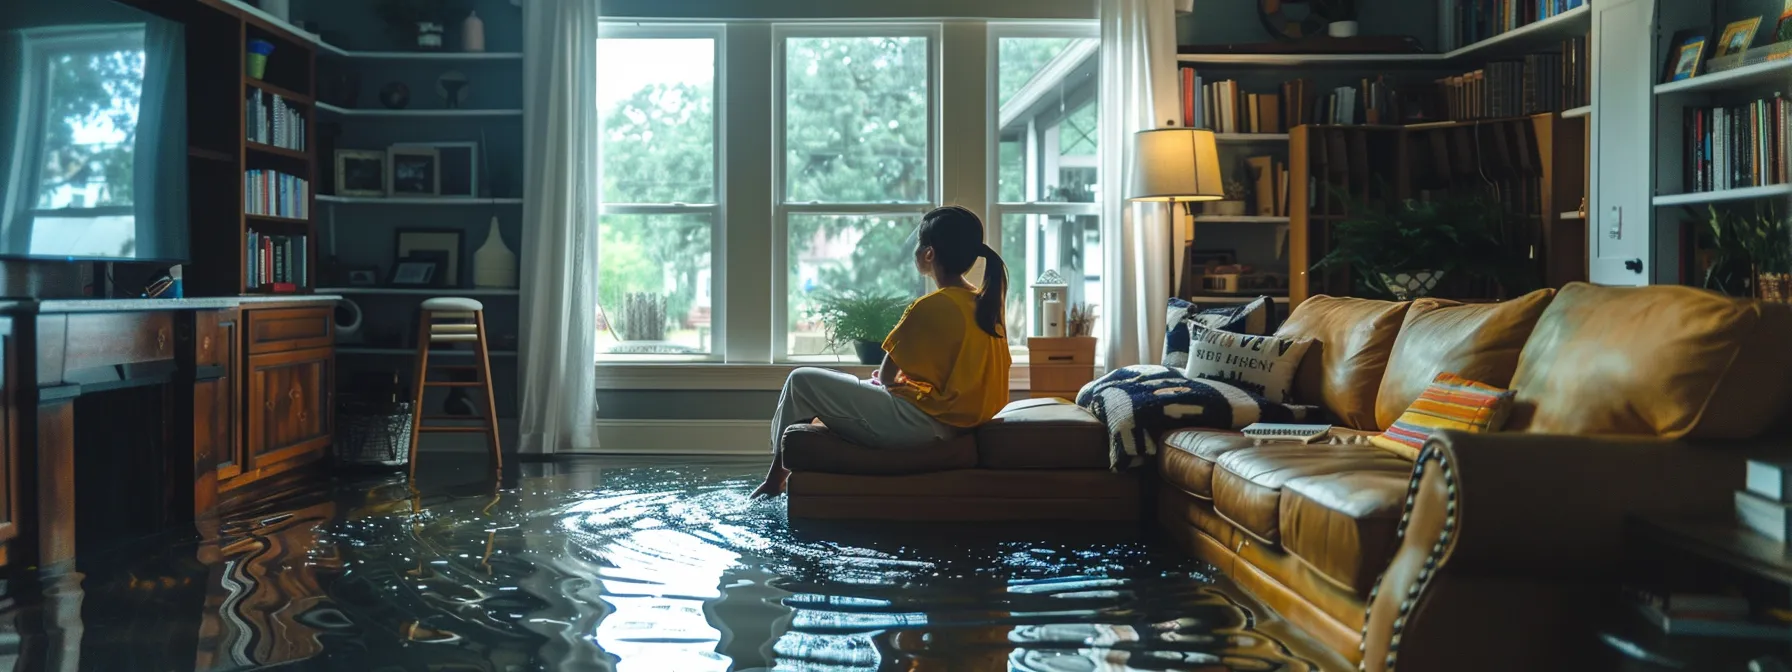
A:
{"x": 953, "y": 370}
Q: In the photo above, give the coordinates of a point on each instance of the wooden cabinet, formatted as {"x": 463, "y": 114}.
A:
{"x": 287, "y": 393}
{"x": 9, "y": 435}
{"x": 217, "y": 405}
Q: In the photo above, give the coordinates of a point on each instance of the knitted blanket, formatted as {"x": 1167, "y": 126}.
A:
{"x": 1140, "y": 403}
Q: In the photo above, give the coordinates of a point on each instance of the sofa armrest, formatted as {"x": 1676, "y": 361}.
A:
{"x": 1508, "y": 539}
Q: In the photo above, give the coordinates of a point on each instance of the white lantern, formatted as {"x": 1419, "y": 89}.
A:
{"x": 1048, "y": 294}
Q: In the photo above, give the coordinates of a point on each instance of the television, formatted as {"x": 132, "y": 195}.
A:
{"x": 93, "y": 132}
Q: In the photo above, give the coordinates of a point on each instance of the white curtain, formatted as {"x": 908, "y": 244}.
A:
{"x": 561, "y": 189}
{"x": 1138, "y": 92}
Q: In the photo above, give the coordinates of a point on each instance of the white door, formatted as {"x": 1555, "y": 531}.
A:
{"x": 1623, "y": 101}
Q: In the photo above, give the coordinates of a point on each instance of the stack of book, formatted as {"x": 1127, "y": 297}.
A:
{"x": 1223, "y": 107}
{"x": 1226, "y": 108}
{"x": 1706, "y": 614}
{"x": 276, "y": 194}
{"x": 1765, "y": 499}
{"x": 271, "y": 121}
{"x": 1475, "y": 20}
{"x": 1577, "y": 81}
{"x": 1515, "y": 88}
{"x": 1269, "y": 186}
{"x": 1737, "y": 146}
{"x": 277, "y": 263}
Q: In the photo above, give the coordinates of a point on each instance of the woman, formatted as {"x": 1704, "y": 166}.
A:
{"x": 945, "y": 366}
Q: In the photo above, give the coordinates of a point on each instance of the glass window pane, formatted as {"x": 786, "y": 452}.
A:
{"x": 835, "y": 254}
{"x": 1034, "y": 244}
{"x": 1049, "y": 145}
{"x": 90, "y": 127}
{"x": 856, "y": 127}
{"x": 653, "y": 284}
{"x": 658, "y": 111}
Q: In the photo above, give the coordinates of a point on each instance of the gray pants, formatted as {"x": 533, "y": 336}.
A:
{"x": 857, "y": 410}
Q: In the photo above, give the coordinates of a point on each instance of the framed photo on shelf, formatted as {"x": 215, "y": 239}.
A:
{"x": 360, "y": 172}
{"x": 457, "y": 166}
{"x": 415, "y": 242}
{"x": 415, "y": 171}
{"x": 1684, "y": 58}
{"x": 415, "y": 272}
{"x": 1737, "y": 37}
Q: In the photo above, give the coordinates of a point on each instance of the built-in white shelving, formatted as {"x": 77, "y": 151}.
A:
{"x": 378, "y": 112}
{"x": 1721, "y": 195}
{"x": 440, "y": 200}
{"x": 1531, "y": 38}
{"x": 1573, "y": 112}
{"x": 1769, "y": 72}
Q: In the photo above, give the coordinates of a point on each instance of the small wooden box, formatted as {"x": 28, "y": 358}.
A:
{"x": 1060, "y": 366}
{"x": 1066, "y": 350}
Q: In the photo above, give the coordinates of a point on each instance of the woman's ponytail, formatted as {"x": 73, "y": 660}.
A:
{"x": 992, "y": 299}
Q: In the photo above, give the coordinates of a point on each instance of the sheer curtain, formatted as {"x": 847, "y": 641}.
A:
{"x": 559, "y": 278}
{"x": 1138, "y": 92}
{"x": 160, "y": 154}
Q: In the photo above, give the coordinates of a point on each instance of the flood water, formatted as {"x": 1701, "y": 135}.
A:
{"x": 630, "y": 565}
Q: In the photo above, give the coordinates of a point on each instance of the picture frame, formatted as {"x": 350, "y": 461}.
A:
{"x": 415, "y": 272}
{"x": 360, "y": 172}
{"x": 413, "y": 171}
{"x": 458, "y": 167}
{"x": 1686, "y": 55}
{"x": 414, "y": 242}
{"x": 1737, "y": 37}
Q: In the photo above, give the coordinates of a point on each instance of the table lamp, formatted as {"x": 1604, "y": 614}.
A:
{"x": 1175, "y": 165}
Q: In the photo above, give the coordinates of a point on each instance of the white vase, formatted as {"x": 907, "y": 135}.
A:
{"x": 472, "y": 33}
{"x": 1412, "y": 284}
{"x": 494, "y": 265}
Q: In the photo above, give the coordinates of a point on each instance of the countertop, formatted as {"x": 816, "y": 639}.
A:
{"x": 202, "y": 303}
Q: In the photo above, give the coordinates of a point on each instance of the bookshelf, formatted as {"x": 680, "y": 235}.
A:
{"x": 417, "y": 114}
{"x": 401, "y": 200}
{"x": 1723, "y": 195}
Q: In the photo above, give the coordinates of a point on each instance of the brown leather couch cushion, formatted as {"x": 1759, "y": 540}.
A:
{"x": 1248, "y": 484}
{"x": 1664, "y": 361}
{"x": 1342, "y": 524}
{"x": 1043, "y": 434}
{"x": 1187, "y": 457}
{"x": 1479, "y": 342}
{"x": 814, "y": 448}
{"x": 1343, "y": 372}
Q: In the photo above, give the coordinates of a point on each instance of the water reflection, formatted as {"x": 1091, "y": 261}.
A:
{"x": 642, "y": 568}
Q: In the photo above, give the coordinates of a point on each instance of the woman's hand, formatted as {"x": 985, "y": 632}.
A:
{"x": 887, "y": 374}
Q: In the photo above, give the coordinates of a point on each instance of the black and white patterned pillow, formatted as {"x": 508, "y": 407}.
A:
{"x": 1245, "y": 318}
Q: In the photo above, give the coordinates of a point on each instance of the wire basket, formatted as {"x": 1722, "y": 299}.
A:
{"x": 374, "y": 435}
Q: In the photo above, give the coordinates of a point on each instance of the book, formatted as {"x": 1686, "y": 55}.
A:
{"x": 1263, "y": 181}
{"x": 1762, "y": 515}
{"x": 1767, "y": 478}
{"x": 1737, "y": 146}
{"x": 1273, "y": 431}
{"x": 1702, "y": 605}
{"x": 1713, "y": 627}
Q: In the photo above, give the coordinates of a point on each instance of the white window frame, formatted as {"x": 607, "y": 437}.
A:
{"x": 782, "y": 208}
{"x": 718, "y": 312}
{"x": 35, "y": 48}
{"x": 998, "y": 209}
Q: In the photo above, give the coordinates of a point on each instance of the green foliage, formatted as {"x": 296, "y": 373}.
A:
{"x": 1459, "y": 234}
{"x": 1742, "y": 245}
{"x": 85, "y": 89}
{"x": 853, "y": 316}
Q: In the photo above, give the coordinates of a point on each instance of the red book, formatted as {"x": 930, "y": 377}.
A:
{"x": 283, "y": 288}
{"x": 1188, "y": 97}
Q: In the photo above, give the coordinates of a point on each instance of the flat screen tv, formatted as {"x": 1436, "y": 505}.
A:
{"x": 93, "y": 132}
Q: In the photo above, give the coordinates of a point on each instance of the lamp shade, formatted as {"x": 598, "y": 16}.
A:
{"x": 1175, "y": 164}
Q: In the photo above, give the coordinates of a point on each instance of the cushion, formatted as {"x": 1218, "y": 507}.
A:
{"x": 1343, "y": 524}
{"x": 1247, "y": 483}
{"x": 1664, "y": 361}
{"x": 1342, "y": 373}
{"x": 1452, "y": 402}
{"x": 1476, "y": 341}
{"x": 1186, "y": 461}
{"x": 1261, "y": 365}
{"x": 1247, "y": 318}
{"x": 452, "y": 304}
{"x": 816, "y": 448}
{"x": 1042, "y": 434}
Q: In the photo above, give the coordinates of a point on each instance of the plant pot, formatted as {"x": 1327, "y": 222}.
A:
{"x": 870, "y": 352}
{"x": 1341, "y": 29}
{"x": 1410, "y": 285}
{"x": 1226, "y": 208}
{"x": 1774, "y": 287}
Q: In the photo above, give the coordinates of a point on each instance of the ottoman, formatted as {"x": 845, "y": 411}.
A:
{"x": 1039, "y": 459}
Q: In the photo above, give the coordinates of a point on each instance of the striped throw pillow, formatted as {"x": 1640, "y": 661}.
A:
{"x": 1451, "y": 402}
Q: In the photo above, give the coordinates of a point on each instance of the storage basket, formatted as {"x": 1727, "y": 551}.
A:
{"x": 374, "y": 435}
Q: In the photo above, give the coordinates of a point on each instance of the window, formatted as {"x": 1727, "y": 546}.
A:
{"x": 1045, "y": 175}
{"x": 661, "y": 196}
{"x": 73, "y": 182}
{"x": 856, "y": 166}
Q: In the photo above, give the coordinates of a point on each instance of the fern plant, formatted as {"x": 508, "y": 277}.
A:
{"x": 1463, "y": 234}
{"x": 853, "y": 317}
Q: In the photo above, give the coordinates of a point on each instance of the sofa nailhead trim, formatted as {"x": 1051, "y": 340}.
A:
{"x": 1431, "y": 559}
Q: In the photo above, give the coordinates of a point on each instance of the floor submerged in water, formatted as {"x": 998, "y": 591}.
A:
{"x": 632, "y": 564}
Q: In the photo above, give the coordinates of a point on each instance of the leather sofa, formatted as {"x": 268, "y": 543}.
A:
{"x": 1494, "y": 551}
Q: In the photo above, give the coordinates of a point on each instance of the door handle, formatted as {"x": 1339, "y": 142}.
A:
{"x": 1633, "y": 265}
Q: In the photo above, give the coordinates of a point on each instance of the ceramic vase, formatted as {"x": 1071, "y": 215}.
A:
{"x": 1412, "y": 284}
{"x": 494, "y": 265}
{"x": 472, "y": 33}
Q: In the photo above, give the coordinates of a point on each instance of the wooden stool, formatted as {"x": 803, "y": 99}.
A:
{"x": 454, "y": 320}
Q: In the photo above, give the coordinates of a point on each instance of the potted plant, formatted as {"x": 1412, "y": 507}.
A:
{"x": 1341, "y": 14}
{"x": 1748, "y": 255}
{"x": 862, "y": 319}
{"x": 1233, "y": 206}
{"x": 1405, "y": 250}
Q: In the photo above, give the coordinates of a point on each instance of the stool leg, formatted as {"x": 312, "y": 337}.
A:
{"x": 491, "y": 402}
{"x": 422, "y": 374}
